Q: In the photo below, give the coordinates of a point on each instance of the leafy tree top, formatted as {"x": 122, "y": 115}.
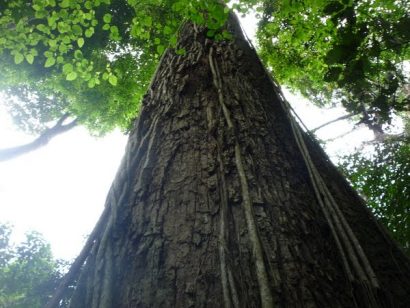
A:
{"x": 348, "y": 51}
{"x": 93, "y": 59}
{"x": 90, "y": 59}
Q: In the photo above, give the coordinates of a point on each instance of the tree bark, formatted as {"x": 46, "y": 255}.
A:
{"x": 222, "y": 201}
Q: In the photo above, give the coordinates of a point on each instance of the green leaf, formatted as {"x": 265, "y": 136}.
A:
{"x": 173, "y": 40}
{"x": 107, "y": 18}
{"x": 71, "y": 76}
{"x": 91, "y": 83}
{"x": 18, "y": 58}
{"x": 51, "y": 20}
{"x": 52, "y": 43}
{"x": 77, "y": 30}
{"x": 160, "y": 49}
{"x": 180, "y": 51}
{"x": 210, "y": 33}
{"x": 50, "y": 62}
{"x": 226, "y": 35}
{"x": 43, "y": 28}
{"x": 89, "y": 32}
{"x": 80, "y": 42}
{"x": 88, "y": 5}
{"x": 62, "y": 27}
{"x": 30, "y": 58}
{"x": 78, "y": 54}
{"x": 64, "y": 4}
{"x": 167, "y": 30}
{"x": 147, "y": 21}
{"x": 63, "y": 48}
{"x": 113, "y": 80}
{"x": 68, "y": 68}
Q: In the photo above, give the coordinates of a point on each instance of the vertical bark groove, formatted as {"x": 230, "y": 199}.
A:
{"x": 265, "y": 292}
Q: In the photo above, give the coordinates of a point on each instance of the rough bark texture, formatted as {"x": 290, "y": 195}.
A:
{"x": 221, "y": 201}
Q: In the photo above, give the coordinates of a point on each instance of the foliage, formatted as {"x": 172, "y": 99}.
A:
{"x": 90, "y": 59}
{"x": 28, "y": 272}
{"x": 348, "y": 51}
{"x": 383, "y": 178}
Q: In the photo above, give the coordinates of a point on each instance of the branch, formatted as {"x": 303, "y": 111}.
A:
{"x": 347, "y": 116}
{"x": 42, "y": 140}
{"x": 342, "y": 135}
{"x": 371, "y": 124}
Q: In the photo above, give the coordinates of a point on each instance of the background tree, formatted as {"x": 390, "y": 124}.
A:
{"x": 383, "y": 178}
{"x": 29, "y": 274}
{"x": 350, "y": 52}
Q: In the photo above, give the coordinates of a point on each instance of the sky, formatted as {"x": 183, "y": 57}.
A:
{"x": 60, "y": 189}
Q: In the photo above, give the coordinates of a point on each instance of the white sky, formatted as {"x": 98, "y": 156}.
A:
{"x": 60, "y": 189}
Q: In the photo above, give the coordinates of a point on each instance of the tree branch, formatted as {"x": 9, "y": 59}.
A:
{"x": 342, "y": 135}
{"x": 347, "y": 116}
{"x": 42, "y": 140}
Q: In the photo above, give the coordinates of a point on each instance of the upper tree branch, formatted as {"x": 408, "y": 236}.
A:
{"x": 42, "y": 140}
{"x": 347, "y": 116}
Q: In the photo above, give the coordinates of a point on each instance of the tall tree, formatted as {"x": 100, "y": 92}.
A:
{"x": 222, "y": 200}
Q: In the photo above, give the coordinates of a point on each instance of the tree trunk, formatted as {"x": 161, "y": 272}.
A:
{"x": 222, "y": 201}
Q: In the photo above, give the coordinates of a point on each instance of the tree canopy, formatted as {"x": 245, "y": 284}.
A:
{"x": 383, "y": 178}
{"x": 92, "y": 60}
{"x": 351, "y": 52}
{"x": 28, "y": 272}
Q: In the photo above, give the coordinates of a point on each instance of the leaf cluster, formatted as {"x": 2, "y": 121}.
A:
{"x": 90, "y": 59}
{"x": 28, "y": 272}
{"x": 383, "y": 178}
{"x": 348, "y": 51}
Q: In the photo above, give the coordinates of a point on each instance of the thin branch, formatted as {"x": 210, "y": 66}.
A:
{"x": 342, "y": 135}
{"x": 347, "y": 116}
{"x": 42, "y": 140}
